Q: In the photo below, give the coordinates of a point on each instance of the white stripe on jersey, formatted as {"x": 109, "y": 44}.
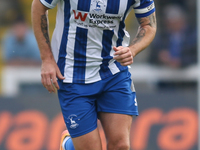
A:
{"x": 93, "y": 62}
{"x": 57, "y": 34}
{"x": 126, "y": 39}
{"x": 122, "y": 7}
{"x": 112, "y": 66}
{"x": 70, "y": 47}
{"x": 137, "y": 3}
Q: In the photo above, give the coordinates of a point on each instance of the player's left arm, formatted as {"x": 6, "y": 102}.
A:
{"x": 145, "y": 35}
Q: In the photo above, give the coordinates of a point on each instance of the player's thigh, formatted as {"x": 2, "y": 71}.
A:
{"x": 89, "y": 141}
{"x": 79, "y": 111}
{"x": 78, "y": 107}
{"x": 118, "y": 96}
{"x": 116, "y": 126}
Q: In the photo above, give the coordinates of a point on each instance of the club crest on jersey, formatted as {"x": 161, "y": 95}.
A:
{"x": 73, "y": 123}
{"x": 98, "y": 5}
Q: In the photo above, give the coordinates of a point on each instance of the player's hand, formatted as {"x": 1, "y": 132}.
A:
{"x": 49, "y": 74}
{"x": 123, "y": 55}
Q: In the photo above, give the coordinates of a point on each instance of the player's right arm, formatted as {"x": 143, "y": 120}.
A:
{"x": 49, "y": 68}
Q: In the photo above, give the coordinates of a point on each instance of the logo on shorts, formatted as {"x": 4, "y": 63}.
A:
{"x": 73, "y": 123}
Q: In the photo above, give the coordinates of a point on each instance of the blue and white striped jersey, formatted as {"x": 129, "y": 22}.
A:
{"x": 85, "y": 33}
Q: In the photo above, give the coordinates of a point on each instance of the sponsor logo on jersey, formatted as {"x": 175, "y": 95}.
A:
{"x": 96, "y": 18}
{"x": 80, "y": 15}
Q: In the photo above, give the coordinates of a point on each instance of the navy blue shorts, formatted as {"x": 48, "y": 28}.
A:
{"x": 80, "y": 103}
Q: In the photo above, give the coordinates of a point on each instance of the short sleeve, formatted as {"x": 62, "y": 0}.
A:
{"x": 144, "y": 8}
{"x": 49, "y": 3}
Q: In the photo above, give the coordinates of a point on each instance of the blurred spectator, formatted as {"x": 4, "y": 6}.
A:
{"x": 9, "y": 9}
{"x": 175, "y": 44}
{"x": 19, "y": 45}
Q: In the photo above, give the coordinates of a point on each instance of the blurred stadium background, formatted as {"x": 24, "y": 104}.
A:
{"x": 30, "y": 117}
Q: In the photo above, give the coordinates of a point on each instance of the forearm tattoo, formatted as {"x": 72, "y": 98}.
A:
{"x": 139, "y": 36}
{"x": 149, "y": 20}
{"x": 44, "y": 28}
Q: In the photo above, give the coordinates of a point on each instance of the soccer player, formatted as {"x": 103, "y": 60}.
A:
{"x": 87, "y": 61}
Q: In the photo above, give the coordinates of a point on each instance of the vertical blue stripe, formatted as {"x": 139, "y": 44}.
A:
{"x": 121, "y": 33}
{"x": 49, "y": 1}
{"x": 62, "y": 50}
{"x": 113, "y": 6}
{"x": 84, "y": 5}
{"x": 107, "y": 46}
{"x": 122, "y": 24}
{"x": 80, "y": 55}
{"x": 120, "y": 67}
